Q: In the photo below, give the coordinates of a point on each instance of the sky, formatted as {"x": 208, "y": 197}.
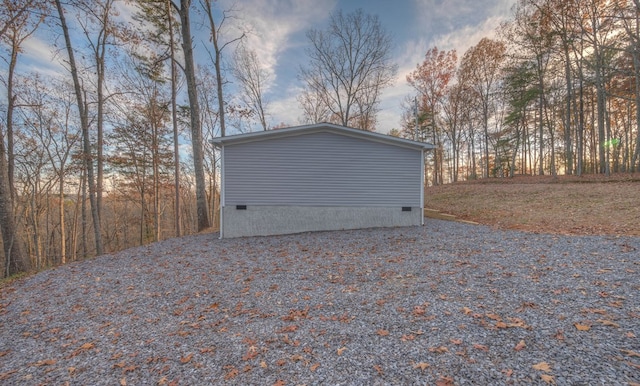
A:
{"x": 278, "y": 35}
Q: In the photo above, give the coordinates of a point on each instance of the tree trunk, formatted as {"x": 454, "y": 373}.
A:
{"x": 174, "y": 119}
{"x": 63, "y": 233}
{"x": 196, "y": 129}
{"x": 11, "y": 100}
{"x": 15, "y": 260}
{"x": 568, "y": 145}
{"x": 485, "y": 118}
{"x": 84, "y": 124}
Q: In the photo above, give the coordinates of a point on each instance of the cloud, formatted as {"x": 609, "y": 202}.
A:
{"x": 41, "y": 57}
{"x": 446, "y": 24}
{"x": 275, "y": 24}
{"x": 286, "y": 109}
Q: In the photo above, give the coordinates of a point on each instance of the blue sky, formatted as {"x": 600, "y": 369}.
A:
{"x": 415, "y": 26}
{"x": 278, "y": 36}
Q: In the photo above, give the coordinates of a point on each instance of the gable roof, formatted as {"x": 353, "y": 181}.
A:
{"x": 318, "y": 128}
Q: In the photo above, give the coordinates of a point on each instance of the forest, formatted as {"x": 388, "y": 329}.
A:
{"x": 115, "y": 150}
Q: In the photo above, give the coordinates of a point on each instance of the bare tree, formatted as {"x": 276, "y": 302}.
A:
{"x": 158, "y": 13}
{"x": 252, "y": 78}
{"x": 196, "y": 128}
{"x": 19, "y": 25}
{"x": 430, "y": 79}
{"x": 350, "y": 64}
{"x": 215, "y": 36}
{"x": 98, "y": 13}
{"x": 84, "y": 125}
{"x": 481, "y": 66}
{"x": 313, "y": 110}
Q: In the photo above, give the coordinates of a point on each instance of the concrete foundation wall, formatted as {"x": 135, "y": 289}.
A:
{"x": 276, "y": 220}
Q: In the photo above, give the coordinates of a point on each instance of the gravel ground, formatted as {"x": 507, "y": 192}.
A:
{"x": 446, "y": 304}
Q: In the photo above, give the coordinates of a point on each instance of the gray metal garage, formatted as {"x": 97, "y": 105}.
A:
{"x": 319, "y": 177}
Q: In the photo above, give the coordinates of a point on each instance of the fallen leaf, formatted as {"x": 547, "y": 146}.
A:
{"x": 542, "y": 366}
{"x": 508, "y": 372}
{"x": 466, "y": 310}
{"x": 637, "y": 366}
{"x": 290, "y": 328}
{"x": 456, "y": 341}
{"x": 231, "y": 373}
{"x": 129, "y": 369}
{"x": 480, "y": 347}
{"x": 123, "y": 382}
{"x": 46, "y": 362}
{"x": 314, "y": 367}
{"x": 162, "y": 381}
{"x": 7, "y": 374}
{"x": 494, "y": 317}
{"x": 559, "y": 335}
{"x": 630, "y": 353}
{"x": 186, "y": 359}
{"x": 548, "y": 379}
{"x": 444, "y": 381}
{"x": 517, "y": 322}
{"x": 582, "y": 327}
{"x": 119, "y": 364}
{"x": 608, "y": 323}
{"x": 520, "y": 346}
{"x": 382, "y": 332}
{"x": 87, "y": 346}
{"x": 439, "y": 350}
{"x": 341, "y": 350}
{"x": 263, "y": 364}
{"x": 378, "y": 368}
{"x": 421, "y": 365}
{"x": 501, "y": 325}
{"x": 279, "y": 382}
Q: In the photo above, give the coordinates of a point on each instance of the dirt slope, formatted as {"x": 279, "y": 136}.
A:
{"x": 564, "y": 205}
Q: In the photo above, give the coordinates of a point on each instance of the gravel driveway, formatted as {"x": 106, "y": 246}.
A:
{"x": 447, "y": 303}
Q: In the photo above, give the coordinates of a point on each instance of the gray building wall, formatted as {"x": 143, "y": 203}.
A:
{"x": 280, "y": 220}
{"x": 321, "y": 169}
{"x": 318, "y": 181}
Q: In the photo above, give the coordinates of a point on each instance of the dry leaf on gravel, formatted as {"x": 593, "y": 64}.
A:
{"x": 582, "y": 327}
{"x": 445, "y": 381}
{"x": 630, "y": 353}
{"x": 548, "y": 379}
{"x": 46, "y": 362}
{"x": 480, "y": 347}
{"x": 542, "y": 366}
{"x": 608, "y": 323}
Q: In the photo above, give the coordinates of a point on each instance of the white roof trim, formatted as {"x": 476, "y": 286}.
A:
{"x": 320, "y": 127}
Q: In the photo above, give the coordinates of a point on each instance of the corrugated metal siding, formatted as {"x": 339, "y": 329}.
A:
{"x": 321, "y": 169}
